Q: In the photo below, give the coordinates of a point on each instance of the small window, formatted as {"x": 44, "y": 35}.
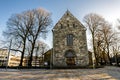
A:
{"x": 61, "y": 26}
{"x": 74, "y": 25}
{"x": 67, "y": 23}
{"x": 69, "y": 40}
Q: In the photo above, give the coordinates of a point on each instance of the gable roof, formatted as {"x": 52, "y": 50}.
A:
{"x": 68, "y": 14}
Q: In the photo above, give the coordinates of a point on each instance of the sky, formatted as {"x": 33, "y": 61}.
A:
{"x": 109, "y": 9}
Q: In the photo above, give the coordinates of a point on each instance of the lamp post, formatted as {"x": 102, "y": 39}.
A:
{"x": 93, "y": 59}
{"x": 51, "y": 58}
{"x": 8, "y": 53}
{"x": 36, "y": 56}
{"x": 43, "y": 54}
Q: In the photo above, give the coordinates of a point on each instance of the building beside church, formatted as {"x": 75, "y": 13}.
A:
{"x": 3, "y": 57}
{"x": 69, "y": 43}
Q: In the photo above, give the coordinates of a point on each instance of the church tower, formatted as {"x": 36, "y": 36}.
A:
{"x": 69, "y": 43}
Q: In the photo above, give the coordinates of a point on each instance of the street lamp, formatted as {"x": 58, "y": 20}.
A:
{"x": 43, "y": 54}
{"x": 93, "y": 59}
{"x": 8, "y": 53}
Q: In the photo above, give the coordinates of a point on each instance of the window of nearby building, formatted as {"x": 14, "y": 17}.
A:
{"x": 69, "y": 40}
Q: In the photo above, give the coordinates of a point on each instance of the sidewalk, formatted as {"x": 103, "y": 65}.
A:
{"x": 106, "y": 73}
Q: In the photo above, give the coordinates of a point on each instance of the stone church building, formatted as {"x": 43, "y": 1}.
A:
{"x": 69, "y": 43}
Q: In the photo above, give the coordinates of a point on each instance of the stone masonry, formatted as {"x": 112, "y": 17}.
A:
{"x": 68, "y": 24}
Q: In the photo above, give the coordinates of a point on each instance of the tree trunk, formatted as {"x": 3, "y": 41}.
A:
{"x": 22, "y": 54}
{"x": 104, "y": 58}
{"x": 108, "y": 54}
{"x": 21, "y": 60}
{"x": 31, "y": 55}
{"x": 94, "y": 49}
{"x": 117, "y": 63}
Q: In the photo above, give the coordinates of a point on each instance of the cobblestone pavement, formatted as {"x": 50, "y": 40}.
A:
{"x": 106, "y": 73}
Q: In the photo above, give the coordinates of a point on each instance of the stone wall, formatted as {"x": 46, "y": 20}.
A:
{"x": 68, "y": 24}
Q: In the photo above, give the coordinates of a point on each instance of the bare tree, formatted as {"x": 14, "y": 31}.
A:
{"x": 25, "y": 27}
{"x": 41, "y": 48}
{"x": 41, "y": 22}
{"x": 104, "y": 39}
{"x": 99, "y": 46}
{"x": 116, "y": 43}
{"x": 108, "y": 36}
{"x": 93, "y": 22}
{"x": 18, "y": 27}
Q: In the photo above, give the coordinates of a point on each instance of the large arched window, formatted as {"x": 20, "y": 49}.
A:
{"x": 69, "y": 39}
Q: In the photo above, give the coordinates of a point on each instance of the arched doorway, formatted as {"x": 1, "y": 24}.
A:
{"x": 70, "y": 57}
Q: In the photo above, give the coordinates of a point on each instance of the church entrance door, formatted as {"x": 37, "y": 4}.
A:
{"x": 70, "y": 57}
{"x": 70, "y": 61}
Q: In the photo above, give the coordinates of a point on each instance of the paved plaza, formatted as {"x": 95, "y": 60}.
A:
{"x": 106, "y": 73}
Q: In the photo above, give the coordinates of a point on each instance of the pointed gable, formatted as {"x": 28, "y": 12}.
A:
{"x": 69, "y": 42}
{"x": 66, "y": 18}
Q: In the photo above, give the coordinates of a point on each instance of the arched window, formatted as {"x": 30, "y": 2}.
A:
{"x": 69, "y": 40}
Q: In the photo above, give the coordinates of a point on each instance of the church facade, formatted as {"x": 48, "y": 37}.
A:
{"x": 69, "y": 43}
